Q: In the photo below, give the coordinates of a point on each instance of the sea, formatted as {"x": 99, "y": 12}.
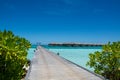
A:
{"x": 78, "y": 55}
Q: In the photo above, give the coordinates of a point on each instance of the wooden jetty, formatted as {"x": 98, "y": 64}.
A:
{"x": 46, "y": 65}
{"x": 74, "y": 44}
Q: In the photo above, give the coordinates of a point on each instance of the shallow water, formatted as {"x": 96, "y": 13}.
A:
{"x": 78, "y": 55}
{"x": 30, "y": 53}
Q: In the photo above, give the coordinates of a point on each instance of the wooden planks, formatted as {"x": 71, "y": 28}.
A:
{"x": 48, "y": 66}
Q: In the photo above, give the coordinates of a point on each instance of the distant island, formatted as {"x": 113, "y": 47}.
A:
{"x": 74, "y": 44}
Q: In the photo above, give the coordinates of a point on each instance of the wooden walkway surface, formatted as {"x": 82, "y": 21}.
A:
{"x": 48, "y": 66}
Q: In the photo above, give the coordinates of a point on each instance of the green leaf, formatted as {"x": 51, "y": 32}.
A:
{"x": 107, "y": 62}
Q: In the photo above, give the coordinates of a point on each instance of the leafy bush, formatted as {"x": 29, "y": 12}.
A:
{"x": 107, "y": 62}
{"x": 13, "y": 52}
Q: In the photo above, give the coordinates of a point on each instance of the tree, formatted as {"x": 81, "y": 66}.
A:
{"x": 107, "y": 62}
{"x": 13, "y": 52}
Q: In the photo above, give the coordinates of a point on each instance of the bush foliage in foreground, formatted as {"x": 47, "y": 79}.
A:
{"x": 13, "y": 52}
{"x": 107, "y": 62}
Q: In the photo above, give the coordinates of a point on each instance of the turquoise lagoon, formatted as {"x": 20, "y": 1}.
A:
{"x": 78, "y": 55}
{"x": 30, "y": 53}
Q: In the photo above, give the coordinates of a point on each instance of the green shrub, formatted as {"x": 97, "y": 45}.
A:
{"x": 107, "y": 62}
{"x": 13, "y": 52}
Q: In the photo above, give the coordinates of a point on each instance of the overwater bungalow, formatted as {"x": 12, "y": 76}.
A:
{"x": 74, "y": 44}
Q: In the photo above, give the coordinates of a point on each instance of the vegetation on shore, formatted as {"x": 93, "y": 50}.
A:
{"x": 13, "y": 52}
{"x": 107, "y": 62}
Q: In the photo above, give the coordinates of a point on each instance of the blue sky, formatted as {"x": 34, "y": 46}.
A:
{"x": 86, "y": 21}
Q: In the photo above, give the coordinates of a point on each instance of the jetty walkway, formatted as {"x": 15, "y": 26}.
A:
{"x": 46, "y": 65}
